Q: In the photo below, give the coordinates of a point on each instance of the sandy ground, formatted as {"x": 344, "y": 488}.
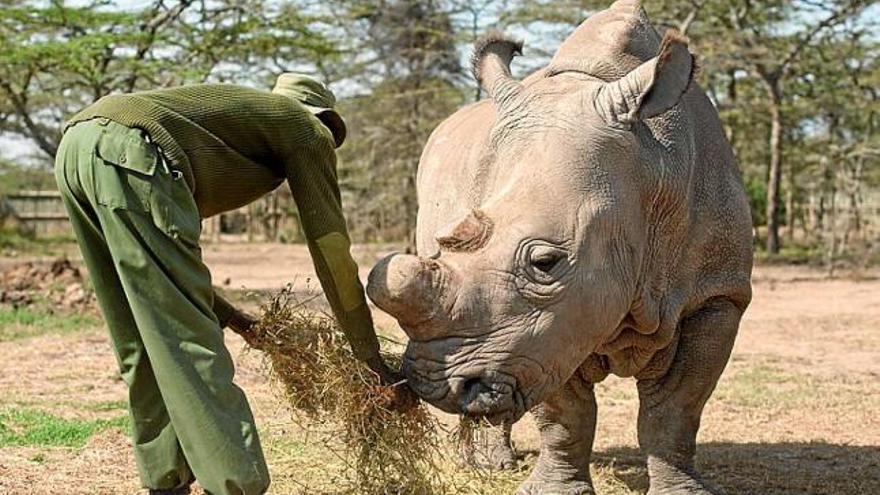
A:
{"x": 794, "y": 413}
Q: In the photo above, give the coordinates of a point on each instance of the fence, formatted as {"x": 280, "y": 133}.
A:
{"x": 38, "y": 212}
{"x": 271, "y": 218}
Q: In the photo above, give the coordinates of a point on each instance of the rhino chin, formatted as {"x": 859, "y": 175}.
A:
{"x": 490, "y": 395}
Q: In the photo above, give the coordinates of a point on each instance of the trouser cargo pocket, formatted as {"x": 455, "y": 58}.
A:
{"x": 126, "y": 166}
{"x": 174, "y": 207}
{"x": 134, "y": 175}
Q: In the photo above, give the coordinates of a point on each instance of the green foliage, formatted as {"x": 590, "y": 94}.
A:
{"x": 378, "y": 170}
{"x": 757, "y": 192}
{"x": 415, "y": 89}
{"x": 58, "y": 57}
{"x": 34, "y": 428}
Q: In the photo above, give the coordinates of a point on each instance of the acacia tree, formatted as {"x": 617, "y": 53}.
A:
{"x": 795, "y": 82}
{"x": 56, "y": 58}
{"x": 405, "y": 69}
{"x": 768, "y": 39}
{"x": 838, "y": 101}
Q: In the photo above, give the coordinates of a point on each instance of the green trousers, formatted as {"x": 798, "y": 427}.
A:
{"x": 138, "y": 228}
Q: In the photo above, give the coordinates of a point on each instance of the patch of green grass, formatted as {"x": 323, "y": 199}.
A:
{"x": 109, "y": 405}
{"x": 762, "y": 386}
{"x": 14, "y": 240}
{"x": 34, "y": 428}
{"x": 24, "y": 322}
{"x": 794, "y": 254}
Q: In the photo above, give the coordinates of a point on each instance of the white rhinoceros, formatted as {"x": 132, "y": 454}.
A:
{"x": 587, "y": 220}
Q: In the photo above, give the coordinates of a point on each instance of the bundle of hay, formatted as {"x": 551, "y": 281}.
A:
{"x": 390, "y": 448}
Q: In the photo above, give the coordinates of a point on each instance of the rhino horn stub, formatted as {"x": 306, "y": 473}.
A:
{"x": 468, "y": 234}
{"x": 406, "y": 287}
{"x": 490, "y": 65}
{"x": 626, "y": 5}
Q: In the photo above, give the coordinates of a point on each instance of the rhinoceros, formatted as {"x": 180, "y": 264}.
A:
{"x": 587, "y": 220}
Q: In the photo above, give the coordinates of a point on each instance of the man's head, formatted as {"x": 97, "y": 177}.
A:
{"x": 315, "y": 97}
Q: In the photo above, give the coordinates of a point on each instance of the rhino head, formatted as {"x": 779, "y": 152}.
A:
{"x": 549, "y": 265}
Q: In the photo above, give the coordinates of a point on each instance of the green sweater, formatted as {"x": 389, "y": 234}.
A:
{"x": 234, "y": 145}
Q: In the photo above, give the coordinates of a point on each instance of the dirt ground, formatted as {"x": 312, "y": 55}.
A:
{"x": 795, "y": 411}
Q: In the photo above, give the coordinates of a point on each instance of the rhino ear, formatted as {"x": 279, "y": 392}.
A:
{"x": 651, "y": 88}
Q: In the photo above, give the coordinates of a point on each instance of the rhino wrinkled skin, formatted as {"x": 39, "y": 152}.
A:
{"x": 587, "y": 220}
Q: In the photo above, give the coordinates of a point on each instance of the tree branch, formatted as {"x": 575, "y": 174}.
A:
{"x": 829, "y": 21}
{"x": 33, "y": 129}
{"x": 150, "y": 28}
{"x": 685, "y": 24}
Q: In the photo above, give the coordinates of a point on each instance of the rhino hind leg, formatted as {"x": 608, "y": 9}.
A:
{"x": 500, "y": 454}
{"x": 567, "y": 424}
{"x": 489, "y": 448}
{"x": 671, "y": 405}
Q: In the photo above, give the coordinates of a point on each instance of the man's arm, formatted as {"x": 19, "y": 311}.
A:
{"x": 223, "y": 309}
{"x": 311, "y": 169}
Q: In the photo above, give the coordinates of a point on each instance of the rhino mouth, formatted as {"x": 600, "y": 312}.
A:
{"x": 467, "y": 390}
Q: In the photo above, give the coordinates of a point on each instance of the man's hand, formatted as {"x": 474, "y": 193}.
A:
{"x": 242, "y": 323}
{"x": 404, "y": 398}
{"x": 386, "y": 375}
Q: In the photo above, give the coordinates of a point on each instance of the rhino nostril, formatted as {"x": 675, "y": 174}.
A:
{"x": 472, "y": 387}
{"x": 476, "y": 397}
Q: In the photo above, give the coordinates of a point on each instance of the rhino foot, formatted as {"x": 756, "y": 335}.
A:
{"x": 501, "y": 456}
{"x": 668, "y": 479}
{"x": 492, "y": 450}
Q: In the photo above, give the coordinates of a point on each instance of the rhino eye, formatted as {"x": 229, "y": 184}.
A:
{"x": 544, "y": 261}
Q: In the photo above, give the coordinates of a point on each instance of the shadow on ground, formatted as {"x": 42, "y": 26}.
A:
{"x": 766, "y": 469}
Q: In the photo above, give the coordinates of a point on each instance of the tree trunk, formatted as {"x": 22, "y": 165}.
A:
{"x": 775, "y": 170}
{"x": 789, "y": 205}
{"x": 831, "y": 246}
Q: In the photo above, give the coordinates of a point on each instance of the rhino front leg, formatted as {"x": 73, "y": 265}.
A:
{"x": 567, "y": 423}
{"x": 671, "y": 405}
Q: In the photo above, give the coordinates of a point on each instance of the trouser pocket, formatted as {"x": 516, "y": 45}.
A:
{"x": 125, "y": 167}
{"x": 132, "y": 174}
{"x": 174, "y": 207}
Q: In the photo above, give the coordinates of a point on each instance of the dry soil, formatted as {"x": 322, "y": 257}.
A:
{"x": 795, "y": 411}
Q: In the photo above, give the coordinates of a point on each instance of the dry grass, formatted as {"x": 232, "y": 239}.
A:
{"x": 384, "y": 450}
{"x": 384, "y": 445}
